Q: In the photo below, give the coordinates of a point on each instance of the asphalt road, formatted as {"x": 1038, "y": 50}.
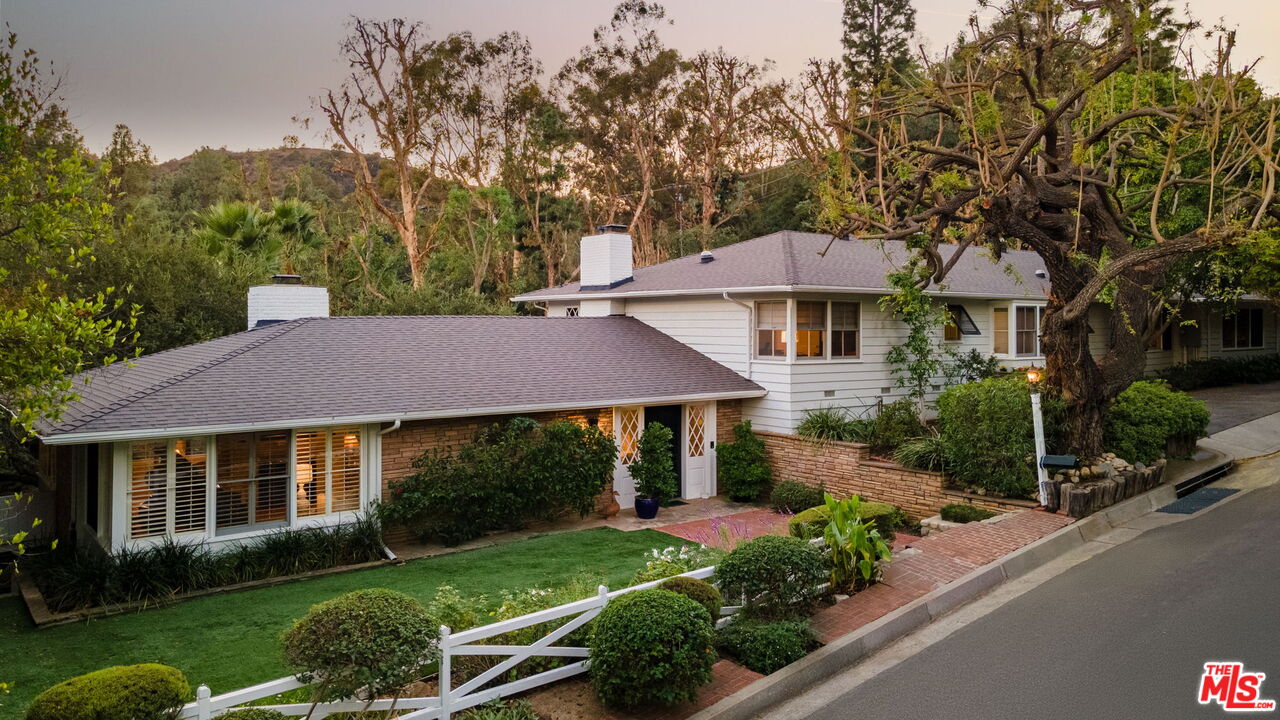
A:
{"x": 1124, "y": 634}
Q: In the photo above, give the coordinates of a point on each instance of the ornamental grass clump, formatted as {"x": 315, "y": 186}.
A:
{"x": 773, "y": 577}
{"x": 124, "y": 692}
{"x": 651, "y": 647}
{"x": 364, "y": 644}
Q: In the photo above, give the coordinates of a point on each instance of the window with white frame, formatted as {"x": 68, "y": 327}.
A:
{"x": 846, "y": 318}
{"x": 811, "y": 329}
{"x": 959, "y": 323}
{"x": 571, "y": 311}
{"x": 327, "y": 470}
{"x": 168, "y": 485}
{"x": 771, "y": 329}
{"x": 1023, "y": 326}
{"x": 1243, "y": 329}
{"x": 253, "y": 479}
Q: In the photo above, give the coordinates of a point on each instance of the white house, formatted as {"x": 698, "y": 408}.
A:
{"x": 798, "y": 314}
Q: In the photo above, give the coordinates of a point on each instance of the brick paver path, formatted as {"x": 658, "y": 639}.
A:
{"x": 737, "y": 528}
{"x": 931, "y": 562}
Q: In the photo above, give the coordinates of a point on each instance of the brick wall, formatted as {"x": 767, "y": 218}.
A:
{"x": 728, "y": 414}
{"x": 402, "y": 447}
{"x": 845, "y": 469}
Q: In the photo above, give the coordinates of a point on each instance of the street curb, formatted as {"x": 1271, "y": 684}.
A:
{"x": 838, "y": 655}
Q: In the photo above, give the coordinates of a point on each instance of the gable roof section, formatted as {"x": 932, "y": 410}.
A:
{"x": 317, "y": 371}
{"x": 787, "y": 260}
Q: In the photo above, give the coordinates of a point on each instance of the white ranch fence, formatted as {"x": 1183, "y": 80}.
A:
{"x": 466, "y": 643}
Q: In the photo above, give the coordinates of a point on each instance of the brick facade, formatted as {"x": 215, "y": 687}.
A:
{"x": 728, "y": 414}
{"x": 846, "y": 468}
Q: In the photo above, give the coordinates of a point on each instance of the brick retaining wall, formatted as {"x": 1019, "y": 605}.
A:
{"x": 846, "y": 468}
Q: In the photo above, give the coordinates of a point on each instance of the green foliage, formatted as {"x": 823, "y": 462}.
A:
{"x": 654, "y": 471}
{"x": 1216, "y": 372}
{"x": 773, "y": 576}
{"x": 875, "y": 40}
{"x": 987, "y": 433}
{"x": 792, "y": 497}
{"x": 252, "y": 713}
{"x": 973, "y": 366}
{"x": 835, "y": 424}
{"x": 510, "y": 474}
{"x": 651, "y": 646}
{"x": 812, "y": 523}
{"x": 501, "y": 710}
{"x": 701, "y": 591}
{"x": 854, "y": 545}
{"x": 918, "y": 362}
{"x": 964, "y": 513}
{"x": 766, "y": 647}
{"x": 367, "y": 643}
{"x": 925, "y": 453}
{"x": 1146, "y": 416}
{"x": 897, "y": 423}
{"x": 673, "y": 561}
{"x": 72, "y": 578}
{"x": 123, "y": 692}
{"x": 741, "y": 466}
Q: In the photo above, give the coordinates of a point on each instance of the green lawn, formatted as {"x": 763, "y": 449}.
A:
{"x": 230, "y": 641}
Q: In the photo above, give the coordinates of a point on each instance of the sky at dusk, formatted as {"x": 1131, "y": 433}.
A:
{"x": 233, "y": 73}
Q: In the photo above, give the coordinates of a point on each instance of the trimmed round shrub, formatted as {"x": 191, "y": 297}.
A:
{"x": 253, "y": 713}
{"x": 700, "y": 591}
{"x": 766, "y": 647}
{"x": 964, "y": 513}
{"x": 773, "y": 576}
{"x": 741, "y": 465}
{"x": 651, "y": 646}
{"x": 365, "y": 642}
{"x": 987, "y": 434}
{"x": 792, "y": 497}
{"x": 1144, "y": 417}
{"x": 812, "y": 523}
{"x": 125, "y": 692}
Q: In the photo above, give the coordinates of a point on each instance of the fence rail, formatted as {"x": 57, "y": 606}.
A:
{"x": 460, "y": 644}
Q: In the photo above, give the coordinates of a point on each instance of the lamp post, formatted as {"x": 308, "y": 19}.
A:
{"x": 1037, "y": 420}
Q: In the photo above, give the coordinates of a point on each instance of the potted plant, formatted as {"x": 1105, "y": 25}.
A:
{"x": 654, "y": 471}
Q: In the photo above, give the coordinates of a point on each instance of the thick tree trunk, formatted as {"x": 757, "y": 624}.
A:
{"x": 1071, "y": 371}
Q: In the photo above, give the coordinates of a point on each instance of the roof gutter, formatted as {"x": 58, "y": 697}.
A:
{"x": 750, "y": 312}
{"x": 73, "y": 438}
{"x": 771, "y": 289}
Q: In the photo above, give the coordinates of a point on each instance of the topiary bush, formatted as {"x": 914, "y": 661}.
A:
{"x": 773, "y": 576}
{"x": 124, "y": 692}
{"x": 507, "y": 476}
{"x": 364, "y": 643}
{"x": 1144, "y": 417}
{"x": 253, "y": 713}
{"x": 766, "y": 647}
{"x": 651, "y": 646}
{"x": 964, "y": 513}
{"x": 812, "y": 523}
{"x": 742, "y": 468}
{"x": 654, "y": 471}
{"x": 701, "y": 591}
{"x": 987, "y": 434}
{"x": 793, "y": 497}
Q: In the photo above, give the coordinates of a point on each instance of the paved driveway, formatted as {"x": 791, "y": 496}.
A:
{"x": 1238, "y": 404}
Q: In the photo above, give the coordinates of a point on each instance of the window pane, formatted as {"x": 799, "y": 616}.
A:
{"x": 628, "y": 434}
{"x": 844, "y": 343}
{"x": 310, "y": 470}
{"x": 1228, "y": 331}
{"x": 1000, "y": 331}
{"x": 148, "y": 488}
{"x": 844, "y": 316}
{"x": 811, "y": 315}
{"x": 189, "y": 463}
{"x": 771, "y": 329}
{"x": 253, "y": 479}
{"x": 344, "y": 481}
{"x": 1255, "y": 327}
{"x": 809, "y": 343}
{"x": 1028, "y": 325}
{"x": 234, "y": 490}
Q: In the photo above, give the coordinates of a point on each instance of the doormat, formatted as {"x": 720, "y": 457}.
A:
{"x": 1198, "y": 500}
{"x": 675, "y": 503}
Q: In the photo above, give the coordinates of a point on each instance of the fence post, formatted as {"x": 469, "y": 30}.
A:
{"x": 203, "y": 693}
{"x": 444, "y": 673}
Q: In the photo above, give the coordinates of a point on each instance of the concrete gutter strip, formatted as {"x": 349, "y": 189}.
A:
{"x": 837, "y": 656}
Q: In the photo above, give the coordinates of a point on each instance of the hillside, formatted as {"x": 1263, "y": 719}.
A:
{"x": 283, "y": 163}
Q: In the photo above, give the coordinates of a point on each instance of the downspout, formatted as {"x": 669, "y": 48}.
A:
{"x": 750, "y": 310}
{"x": 395, "y": 425}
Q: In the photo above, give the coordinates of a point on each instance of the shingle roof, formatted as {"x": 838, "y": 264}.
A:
{"x": 790, "y": 259}
{"x": 368, "y": 369}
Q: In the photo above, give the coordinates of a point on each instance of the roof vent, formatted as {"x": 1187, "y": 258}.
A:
{"x": 283, "y": 279}
{"x": 611, "y": 228}
{"x": 706, "y": 256}
{"x": 1042, "y": 274}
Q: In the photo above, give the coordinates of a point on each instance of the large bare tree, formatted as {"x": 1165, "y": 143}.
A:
{"x": 1066, "y": 127}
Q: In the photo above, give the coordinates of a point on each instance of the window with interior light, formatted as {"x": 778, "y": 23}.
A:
{"x": 1021, "y": 332}
{"x": 1243, "y": 329}
{"x": 168, "y": 486}
{"x": 327, "y": 471}
{"x": 253, "y": 480}
{"x": 771, "y": 329}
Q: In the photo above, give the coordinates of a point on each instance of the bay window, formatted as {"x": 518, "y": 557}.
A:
{"x": 1025, "y": 330}
{"x": 1243, "y": 329}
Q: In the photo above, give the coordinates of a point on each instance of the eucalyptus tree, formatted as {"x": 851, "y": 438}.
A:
{"x": 1074, "y": 140}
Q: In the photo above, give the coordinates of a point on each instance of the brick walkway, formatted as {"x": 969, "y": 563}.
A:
{"x": 737, "y": 528}
{"x": 931, "y": 562}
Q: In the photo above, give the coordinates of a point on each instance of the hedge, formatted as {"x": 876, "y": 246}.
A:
{"x": 125, "y": 692}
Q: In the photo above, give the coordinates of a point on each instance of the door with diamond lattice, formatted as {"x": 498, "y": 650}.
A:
{"x": 699, "y": 437}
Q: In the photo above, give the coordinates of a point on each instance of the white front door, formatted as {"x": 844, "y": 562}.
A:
{"x": 699, "y": 430}
{"x": 628, "y": 422}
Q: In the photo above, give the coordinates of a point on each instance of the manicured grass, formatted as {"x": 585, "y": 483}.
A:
{"x": 230, "y": 641}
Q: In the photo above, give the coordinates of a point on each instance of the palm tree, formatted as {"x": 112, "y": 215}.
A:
{"x": 230, "y": 229}
{"x": 296, "y": 223}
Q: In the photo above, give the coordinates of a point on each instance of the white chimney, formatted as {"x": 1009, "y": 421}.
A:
{"x": 286, "y": 299}
{"x": 606, "y": 258}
